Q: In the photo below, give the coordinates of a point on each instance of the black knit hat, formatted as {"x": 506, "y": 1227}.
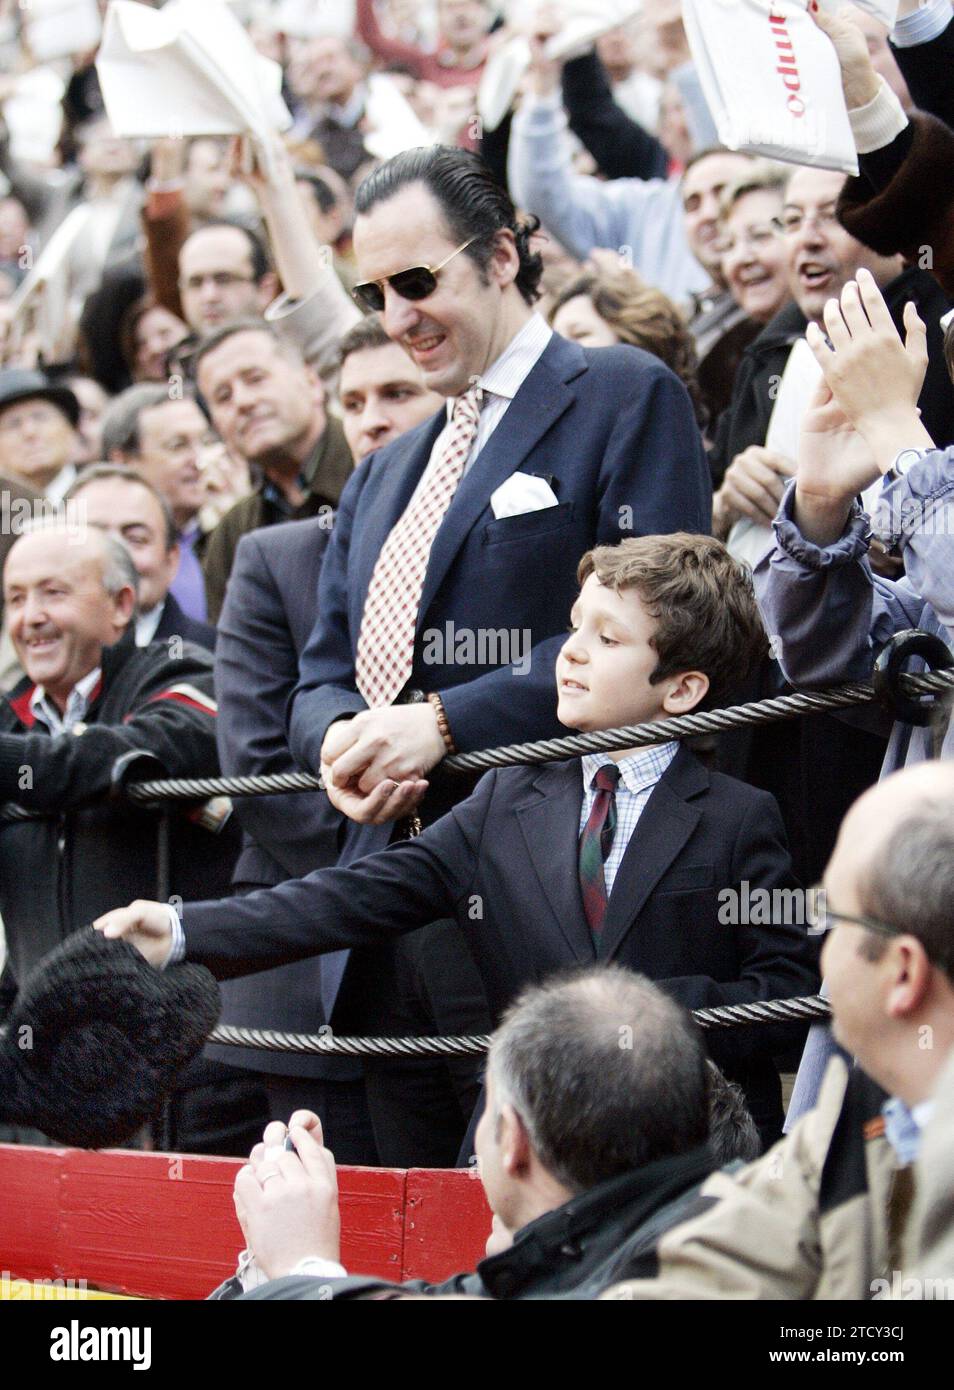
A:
{"x": 96, "y": 1038}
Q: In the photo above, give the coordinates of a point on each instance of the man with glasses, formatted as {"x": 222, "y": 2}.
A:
{"x": 824, "y": 1214}
{"x": 224, "y": 274}
{"x": 451, "y": 567}
{"x": 822, "y": 258}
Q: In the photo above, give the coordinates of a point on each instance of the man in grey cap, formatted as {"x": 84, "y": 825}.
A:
{"x": 38, "y": 439}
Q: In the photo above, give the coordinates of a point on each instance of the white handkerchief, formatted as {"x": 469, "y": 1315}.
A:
{"x": 521, "y": 493}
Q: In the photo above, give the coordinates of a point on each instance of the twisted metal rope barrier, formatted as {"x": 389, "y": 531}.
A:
{"x": 809, "y": 1006}
{"x": 573, "y": 745}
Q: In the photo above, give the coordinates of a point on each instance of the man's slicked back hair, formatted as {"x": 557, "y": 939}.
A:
{"x": 473, "y": 204}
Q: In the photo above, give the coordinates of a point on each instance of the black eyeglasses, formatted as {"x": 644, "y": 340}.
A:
{"x": 416, "y": 283}
{"x": 819, "y": 917}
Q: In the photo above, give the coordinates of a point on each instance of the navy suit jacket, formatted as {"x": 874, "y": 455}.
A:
{"x": 268, "y": 613}
{"x": 613, "y": 432}
{"x": 504, "y": 864}
{"x": 176, "y": 623}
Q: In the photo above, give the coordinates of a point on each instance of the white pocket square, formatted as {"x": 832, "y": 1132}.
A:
{"x": 522, "y": 493}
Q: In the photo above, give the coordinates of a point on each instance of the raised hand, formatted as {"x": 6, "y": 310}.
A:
{"x": 874, "y": 377}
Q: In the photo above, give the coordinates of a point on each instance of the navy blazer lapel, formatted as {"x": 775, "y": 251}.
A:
{"x": 541, "y": 400}
{"x": 549, "y": 821}
{"x": 666, "y": 823}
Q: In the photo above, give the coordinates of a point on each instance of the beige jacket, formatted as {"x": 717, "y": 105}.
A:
{"x": 932, "y": 1220}
{"x": 820, "y": 1216}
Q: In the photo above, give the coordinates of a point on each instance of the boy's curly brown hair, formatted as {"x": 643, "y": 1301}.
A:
{"x": 703, "y": 601}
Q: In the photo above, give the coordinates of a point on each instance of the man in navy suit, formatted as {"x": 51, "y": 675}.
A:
{"x": 574, "y": 447}
{"x": 544, "y": 449}
{"x": 646, "y": 858}
{"x": 266, "y": 619}
{"x": 122, "y": 502}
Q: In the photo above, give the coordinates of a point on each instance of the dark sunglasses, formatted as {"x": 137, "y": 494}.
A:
{"x": 416, "y": 283}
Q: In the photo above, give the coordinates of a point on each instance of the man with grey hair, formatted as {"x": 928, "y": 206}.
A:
{"x": 163, "y": 436}
{"x": 92, "y": 708}
{"x": 594, "y": 1140}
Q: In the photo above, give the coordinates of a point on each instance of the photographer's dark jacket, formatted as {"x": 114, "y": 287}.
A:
{"x": 83, "y": 852}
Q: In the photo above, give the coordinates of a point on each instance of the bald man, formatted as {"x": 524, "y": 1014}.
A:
{"x": 91, "y": 698}
{"x": 825, "y": 1213}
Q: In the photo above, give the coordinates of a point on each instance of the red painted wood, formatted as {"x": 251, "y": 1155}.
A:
{"x": 447, "y": 1222}
{"x": 29, "y": 1210}
{"x": 162, "y": 1225}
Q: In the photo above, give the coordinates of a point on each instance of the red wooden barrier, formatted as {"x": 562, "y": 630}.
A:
{"x": 163, "y": 1225}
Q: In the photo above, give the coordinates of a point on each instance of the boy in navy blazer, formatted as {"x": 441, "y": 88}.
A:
{"x": 641, "y": 856}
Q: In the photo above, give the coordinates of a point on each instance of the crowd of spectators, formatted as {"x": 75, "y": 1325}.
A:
{"x": 309, "y": 454}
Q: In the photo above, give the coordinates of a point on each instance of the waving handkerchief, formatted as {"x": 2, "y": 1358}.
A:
{"x": 187, "y": 69}
{"x": 583, "y": 22}
{"x": 771, "y": 80}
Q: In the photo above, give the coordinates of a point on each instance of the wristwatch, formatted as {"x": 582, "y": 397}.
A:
{"x": 907, "y": 459}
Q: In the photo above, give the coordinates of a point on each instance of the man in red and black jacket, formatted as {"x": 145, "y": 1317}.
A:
{"x": 91, "y": 698}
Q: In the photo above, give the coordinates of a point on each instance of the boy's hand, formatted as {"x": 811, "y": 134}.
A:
{"x": 144, "y": 925}
{"x": 287, "y": 1202}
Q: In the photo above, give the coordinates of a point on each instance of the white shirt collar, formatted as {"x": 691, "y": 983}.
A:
{"x": 505, "y": 376}
{"x": 147, "y": 623}
{"x": 77, "y": 704}
{"x": 61, "y": 484}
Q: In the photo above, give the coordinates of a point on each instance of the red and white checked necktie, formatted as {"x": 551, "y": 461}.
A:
{"x": 385, "y": 655}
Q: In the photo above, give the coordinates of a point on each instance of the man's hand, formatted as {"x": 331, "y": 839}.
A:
{"x": 144, "y": 925}
{"x": 374, "y": 765}
{"x": 287, "y": 1203}
{"x": 544, "y": 73}
{"x": 859, "y": 80}
{"x": 752, "y": 487}
{"x": 874, "y": 377}
{"x": 168, "y": 160}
